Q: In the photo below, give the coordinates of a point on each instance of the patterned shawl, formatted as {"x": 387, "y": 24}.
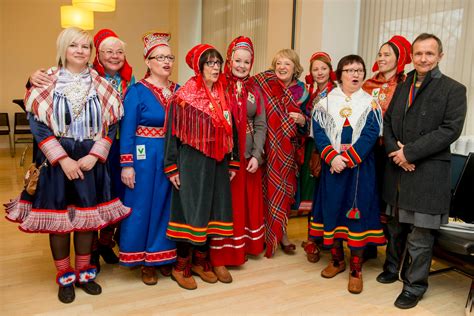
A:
{"x": 39, "y": 101}
{"x": 281, "y": 168}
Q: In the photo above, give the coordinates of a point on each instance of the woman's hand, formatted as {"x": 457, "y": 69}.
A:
{"x": 88, "y": 162}
{"x": 71, "y": 168}
{"x": 128, "y": 177}
{"x": 252, "y": 165}
{"x": 232, "y": 174}
{"x": 298, "y": 118}
{"x": 40, "y": 78}
{"x": 175, "y": 181}
{"x": 338, "y": 164}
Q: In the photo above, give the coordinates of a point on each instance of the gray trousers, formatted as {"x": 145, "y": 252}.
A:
{"x": 419, "y": 251}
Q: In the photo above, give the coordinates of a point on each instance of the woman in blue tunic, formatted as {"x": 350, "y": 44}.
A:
{"x": 346, "y": 125}
{"x": 143, "y": 239}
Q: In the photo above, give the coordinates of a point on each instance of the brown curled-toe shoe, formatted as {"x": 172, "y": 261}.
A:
{"x": 149, "y": 275}
{"x": 355, "y": 285}
{"x": 184, "y": 279}
{"x": 312, "y": 251}
{"x": 289, "y": 249}
{"x": 166, "y": 270}
{"x": 223, "y": 275}
{"x": 333, "y": 268}
{"x": 202, "y": 267}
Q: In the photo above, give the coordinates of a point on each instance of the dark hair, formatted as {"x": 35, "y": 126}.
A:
{"x": 394, "y": 48}
{"x": 400, "y": 75}
{"x": 347, "y": 60}
{"x": 425, "y": 36}
{"x": 208, "y": 54}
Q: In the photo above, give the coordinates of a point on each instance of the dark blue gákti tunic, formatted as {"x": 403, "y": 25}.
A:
{"x": 346, "y": 207}
{"x": 143, "y": 235}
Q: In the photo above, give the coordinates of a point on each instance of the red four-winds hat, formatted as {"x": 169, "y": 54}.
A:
{"x": 192, "y": 57}
{"x": 404, "y": 50}
{"x": 125, "y": 72}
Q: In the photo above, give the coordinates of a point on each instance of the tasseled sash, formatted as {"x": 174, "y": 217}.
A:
{"x": 197, "y": 129}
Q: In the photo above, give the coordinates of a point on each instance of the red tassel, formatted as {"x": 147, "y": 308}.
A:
{"x": 353, "y": 213}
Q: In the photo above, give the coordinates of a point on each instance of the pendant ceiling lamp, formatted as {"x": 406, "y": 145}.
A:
{"x": 73, "y": 16}
{"x": 95, "y": 5}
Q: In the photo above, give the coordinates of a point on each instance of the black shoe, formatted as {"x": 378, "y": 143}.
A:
{"x": 407, "y": 300}
{"x": 90, "y": 287}
{"x": 108, "y": 254}
{"x": 66, "y": 294}
{"x": 95, "y": 260}
{"x": 387, "y": 277}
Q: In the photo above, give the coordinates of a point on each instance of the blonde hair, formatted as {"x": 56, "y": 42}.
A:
{"x": 109, "y": 41}
{"x": 65, "y": 38}
{"x": 291, "y": 55}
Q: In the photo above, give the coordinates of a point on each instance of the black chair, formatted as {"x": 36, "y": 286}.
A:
{"x": 455, "y": 240}
{"x": 5, "y": 129}
{"x": 21, "y": 129}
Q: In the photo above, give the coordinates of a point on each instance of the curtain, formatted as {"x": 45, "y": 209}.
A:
{"x": 451, "y": 20}
{"x": 224, "y": 20}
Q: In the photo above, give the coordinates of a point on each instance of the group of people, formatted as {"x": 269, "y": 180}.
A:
{"x": 203, "y": 175}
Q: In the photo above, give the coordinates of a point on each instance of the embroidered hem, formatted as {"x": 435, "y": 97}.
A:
{"x": 147, "y": 258}
{"x": 354, "y": 240}
{"x": 65, "y": 221}
{"x": 179, "y": 231}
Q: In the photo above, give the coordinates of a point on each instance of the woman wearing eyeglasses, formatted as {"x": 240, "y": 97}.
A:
{"x": 143, "y": 239}
{"x": 201, "y": 154}
{"x": 111, "y": 63}
{"x": 346, "y": 125}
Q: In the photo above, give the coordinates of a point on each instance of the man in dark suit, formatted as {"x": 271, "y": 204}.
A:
{"x": 425, "y": 116}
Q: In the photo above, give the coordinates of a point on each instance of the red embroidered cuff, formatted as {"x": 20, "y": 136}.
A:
{"x": 350, "y": 163}
{"x": 171, "y": 170}
{"x": 126, "y": 160}
{"x": 101, "y": 148}
{"x": 52, "y": 149}
{"x": 234, "y": 165}
{"x": 328, "y": 154}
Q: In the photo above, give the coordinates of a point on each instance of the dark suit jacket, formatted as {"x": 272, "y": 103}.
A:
{"x": 427, "y": 128}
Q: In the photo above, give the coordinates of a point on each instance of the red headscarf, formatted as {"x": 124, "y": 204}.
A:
{"x": 126, "y": 70}
{"x": 192, "y": 59}
{"x": 325, "y": 58}
{"x": 404, "y": 50}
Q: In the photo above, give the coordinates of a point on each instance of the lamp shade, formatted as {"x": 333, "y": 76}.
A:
{"x": 72, "y": 16}
{"x": 95, "y": 5}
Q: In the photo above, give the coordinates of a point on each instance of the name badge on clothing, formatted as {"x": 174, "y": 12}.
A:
{"x": 375, "y": 93}
{"x": 227, "y": 116}
{"x": 251, "y": 98}
{"x": 141, "y": 152}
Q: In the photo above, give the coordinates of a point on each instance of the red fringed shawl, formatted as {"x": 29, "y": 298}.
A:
{"x": 200, "y": 122}
{"x": 281, "y": 169}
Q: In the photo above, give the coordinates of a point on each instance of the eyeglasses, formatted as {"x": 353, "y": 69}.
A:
{"x": 109, "y": 53}
{"x": 211, "y": 63}
{"x": 353, "y": 71}
{"x": 162, "y": 58}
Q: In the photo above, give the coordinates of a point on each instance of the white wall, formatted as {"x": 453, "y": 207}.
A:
{"x": 340, "y": 17}
{"x": 189, "y": 24}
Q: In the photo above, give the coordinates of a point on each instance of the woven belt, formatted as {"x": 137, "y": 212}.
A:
{"x": 151, "y": 132}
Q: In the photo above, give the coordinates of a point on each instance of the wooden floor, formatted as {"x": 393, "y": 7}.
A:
{"x": 287, "y": 285}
